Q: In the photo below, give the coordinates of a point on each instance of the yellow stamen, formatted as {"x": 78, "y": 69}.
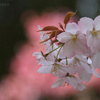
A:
{"x": 74, "y": 37}
{"x": 94, "y": 33}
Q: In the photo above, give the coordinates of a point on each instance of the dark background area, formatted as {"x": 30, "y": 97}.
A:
{"x": 11, "y": 28}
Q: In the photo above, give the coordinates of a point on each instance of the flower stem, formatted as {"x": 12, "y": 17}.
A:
{"x": 66, "y": 61}
{"x": 53, "y": 50}
{"x": 59, "y": 51}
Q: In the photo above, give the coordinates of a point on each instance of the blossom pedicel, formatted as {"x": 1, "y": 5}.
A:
{"x": 70, "y": 50}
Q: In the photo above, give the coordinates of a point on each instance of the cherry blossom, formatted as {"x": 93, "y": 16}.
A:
{"x": 71, "y": 53}
{"x": 81, "y": 66}
{"x": 92, "y": 30}
{"x": 75, "y": 41}
{"x": 72, "y": 80}
{"x": 56, "y": 69}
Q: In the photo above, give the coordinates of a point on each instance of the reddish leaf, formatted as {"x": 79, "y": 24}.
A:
{"x": 52, "y": 34}
{"x": 68, "y": 16}
{"x": 61, "y": 26}
{"x": 45, "y": 40}
{"x": 49, "y": 28}
{"x": 49, "y": 32}
{"x": 53, "y": 41}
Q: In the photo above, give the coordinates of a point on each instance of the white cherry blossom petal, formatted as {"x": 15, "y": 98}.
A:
{"x": 80, "y": 44}
{"x": 81, "y": 58}
{"x": 75, "y": 82}
{"x": 96, "y": 45}
{"x": 36, "y": 53}
{"x": 97, "y": 23}
{"x": 68, "y": 50}
{"x": 72, "y": 81}
{"x": 80, "y": 48}
{"x": 82, "y": 37}
{"x": 93, "y": 68}
{"x": 95, "y": 73}
{"x": 98, "y": 35}
{"x": 96, "y": 60}
{"x": 45, "y": 69}
{"x": 84, "y": 75}
{"x": 72, "y": 28}
{"x": 89, "y": 38}
{"x": 58, "y": 83}
{"x": 85, "y": 24}
{"x": 39, "y": 57}
{"x": 85, "y": 66}
{"x": 64, "y": 37}
{"x": 92, "y": 43}
{"x": 80, "y": 87}
{"x": 59, "y": 70}
{"x": 42, "y": 32}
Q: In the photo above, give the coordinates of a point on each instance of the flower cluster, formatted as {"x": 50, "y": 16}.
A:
{"x": 72, "y": 53}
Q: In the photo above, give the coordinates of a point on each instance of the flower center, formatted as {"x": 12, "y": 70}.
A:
{"x": 94, "y": 33}
{"x": 55, "y": 69}
{"x": 74, "y": 37}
